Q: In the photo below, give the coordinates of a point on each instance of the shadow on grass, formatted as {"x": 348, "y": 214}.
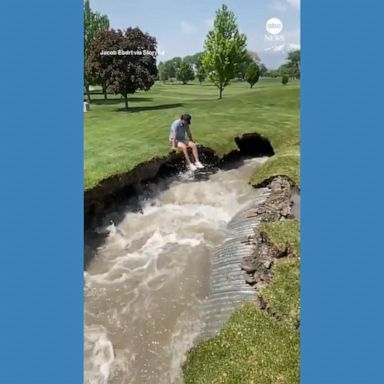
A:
{"x": 190, "y": 84}
{"x": 149, "y": 108}
{"x": 119, "y": 100}
{"x": 106, "y": 102}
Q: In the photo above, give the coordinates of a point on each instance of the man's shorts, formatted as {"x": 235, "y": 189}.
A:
{"x": 186, "y": 142}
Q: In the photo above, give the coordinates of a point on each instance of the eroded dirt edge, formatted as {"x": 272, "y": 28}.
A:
{"x": 281, "y": 205}
{"x": 115, "y": 189}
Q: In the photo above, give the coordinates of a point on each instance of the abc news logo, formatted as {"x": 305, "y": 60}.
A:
{"x": 274, "y": 26}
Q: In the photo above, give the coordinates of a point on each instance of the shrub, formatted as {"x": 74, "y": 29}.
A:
{"x": 252, "y": 74}
{"x": 185, "y": 73}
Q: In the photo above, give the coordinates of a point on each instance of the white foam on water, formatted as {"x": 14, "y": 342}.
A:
{"x": 99, "y": 350}
{"x": 143, "y": 288}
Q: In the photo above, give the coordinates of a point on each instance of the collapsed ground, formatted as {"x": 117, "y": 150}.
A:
{"x": 258, "y": 344}
{"x": 261, "y": 344}
{"x": 115, "y": 141}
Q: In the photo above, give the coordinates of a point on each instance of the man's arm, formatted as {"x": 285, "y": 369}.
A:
{"x": 173, "y": 137}
{"x": 189, "y": 134}
{"x": 173, "y": 141}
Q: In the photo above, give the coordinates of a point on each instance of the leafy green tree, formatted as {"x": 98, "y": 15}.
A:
{"x": 292, "y": 67}
{"x": 170, "y": 67}
{"x": 263, "y": 70}
{"x": 194, "y": 60}
{"x": 254, "y": 56}
{"x": 201, "y": 74}
{"x": 252, "y": 74}
{"x": 285, "y": 79}
{"x": 173, "y": 66}
{"x": 185, "y": 73}
{"x": 294, "y": 63}
{"x": 273, "y": 73}
{"x": 249, "y": 57}
{"x": 225, "y": 49}
{"x": 242, "y": 68}
{"x": 163, "y": 73}
{"x": 284, "y": 69}
{"x": 176, "y": 61}
{"x": 169, "y": 70}
{"x": 93, "y": 23}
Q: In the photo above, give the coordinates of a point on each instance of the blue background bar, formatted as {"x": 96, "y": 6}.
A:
{"x": 41, "y": 198}
{"x": 342, "y": 177}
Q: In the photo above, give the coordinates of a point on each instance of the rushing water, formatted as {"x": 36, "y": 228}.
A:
{"x": 147, "y": 279}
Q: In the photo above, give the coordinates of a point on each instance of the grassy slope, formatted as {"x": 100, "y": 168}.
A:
{"x": 253, "y": 347}
{"x": 283, "y": 293}
{"x": 283, "y": 234}
{"x": 115, "y": 141}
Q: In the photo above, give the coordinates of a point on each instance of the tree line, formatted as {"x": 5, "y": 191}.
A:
{"x": 191, "y": 68}
{"x": 124, "y": 61}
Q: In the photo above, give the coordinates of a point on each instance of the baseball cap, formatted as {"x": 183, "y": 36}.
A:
{"x": 186, "y": 117}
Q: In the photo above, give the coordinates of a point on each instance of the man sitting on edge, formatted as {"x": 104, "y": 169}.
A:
{"x": 177, "y": 136}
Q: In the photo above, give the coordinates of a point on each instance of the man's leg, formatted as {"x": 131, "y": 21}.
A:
{"x": 184, "y": 148}
{"x": 193, "y": 146}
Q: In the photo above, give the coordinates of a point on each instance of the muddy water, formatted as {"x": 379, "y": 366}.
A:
{"x": 147, "y": 279}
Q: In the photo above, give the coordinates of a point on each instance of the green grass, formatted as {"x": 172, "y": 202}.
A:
{"x": 252, "y": 348}
{"x": 115, "y": 141}
{"x": 286, "y": 163}
{"x": 283, "y": 235}
{"x": 283, "y": 293}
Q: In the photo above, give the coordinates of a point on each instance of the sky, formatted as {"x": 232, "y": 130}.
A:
{"x": 180, "y": 27}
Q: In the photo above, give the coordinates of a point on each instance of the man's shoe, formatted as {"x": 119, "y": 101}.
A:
{"x": 199, "y": 165}
{"x": 192, "y": 167}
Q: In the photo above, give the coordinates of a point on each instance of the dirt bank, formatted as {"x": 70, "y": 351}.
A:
{"x": 115, "y": 189}
{"x": 281, "y": 205}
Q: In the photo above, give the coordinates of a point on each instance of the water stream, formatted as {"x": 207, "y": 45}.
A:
{"x": 148, "y": 279}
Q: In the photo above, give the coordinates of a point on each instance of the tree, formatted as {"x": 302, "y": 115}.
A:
{"x": 185, "y": 73}
{"x": 263, "y": 70}
{"x": 284, "y": 69}
{"x": 294, "y": 63}
{"x": 201, "y": 74}
{"x": 98, "y": 66}
{"x": 133, "y": 67}
{"x": 274, "y": 73}
{"x": 292, "y": 67}
{"x": 225, "y": 49}
{"x": 252, "y": 74}
{"x": 93, "y": 23}
{"x": 246, "y": 62}
{"x": 194, "y": 60}
{"x": 169, "y": 70}
{"x": 163, "y": 74}
{"x": 285, "y": 79}
{"x": 254, "y": 56}
{"x": 249, "y": 57}
{"x": 173, "y": 65}
{"x": 170, "y": 67}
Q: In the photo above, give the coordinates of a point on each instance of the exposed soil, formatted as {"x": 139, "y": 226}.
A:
{"x": 117, "y": 189}
{"x": 282, "y": 204}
